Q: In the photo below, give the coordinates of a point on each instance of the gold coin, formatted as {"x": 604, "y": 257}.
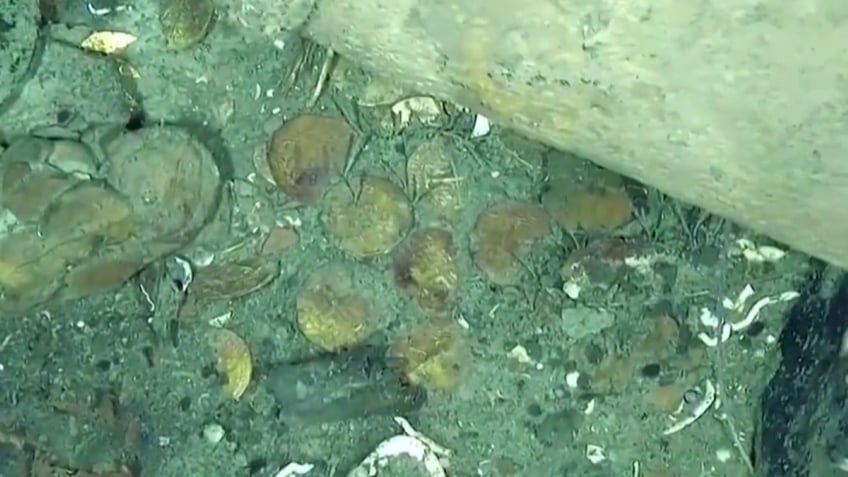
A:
{"x": 426, "y": 266}
{"x": 431, "y": 175}
{"x": 502, "y": 235}
{"x": 432, "y": 354}
{"x": 234, "y": 362}
{"x": 368, "y": 216}
{"x": 185, "y": 22}
{"x": 331, "y": 313}
{"x": 307, "y": 152}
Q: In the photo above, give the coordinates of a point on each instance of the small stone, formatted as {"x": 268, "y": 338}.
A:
{"x": 213, "y": 433}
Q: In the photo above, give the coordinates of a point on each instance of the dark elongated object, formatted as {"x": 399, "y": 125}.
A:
{"x": 338, "y": 387}
{"x": 803, "y": 428}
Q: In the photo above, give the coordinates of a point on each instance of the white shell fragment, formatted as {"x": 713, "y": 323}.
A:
{"x": 221, "y": 320}
{"x": 755, "y": 310}
{"x": 738, "y": 305}
{"x": 572, "y": 289}
{"x": 758, "y": 253}
{"x": 595, "y": 454}
{"x": 726, "y": 328}
{"x": 295, "y": 469}
{"x": 410, "y": 445}
{"x": 572, "y": 379}
{"x": 181, "y": 271}
{"x": 108, "y": 42}
{"x": 519, "y": 353}
{"x": 482, "y": 126}
{"x": 213, "y": 433}
{"x": 709, "y": 319}
{"x": 724, "y": 333}
{"x": 424, "y": 108}
{"x": 710, "y": 396}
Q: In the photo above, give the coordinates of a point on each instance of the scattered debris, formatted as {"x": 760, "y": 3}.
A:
{"x": 599, "y": 265}
{"x": 725, "y": 329}
{"x": 221, "y": 320}
{"x": 181, "y": 273}
{"x": 757, "y": 253}
{"x": 572, "y": 379}
{"x": 423, "y": 108}
{"x": 104, "y": 11}
{"x": 409, "y": 445}
{"x": 323, "y": 76}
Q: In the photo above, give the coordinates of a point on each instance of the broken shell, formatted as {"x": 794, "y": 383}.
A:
{"x": 422, "y": 452}
{"x": 481, "y": 127}
{"x": 214, "y": 433}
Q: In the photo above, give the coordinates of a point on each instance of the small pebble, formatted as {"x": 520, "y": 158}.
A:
{"x": 692, "y": 397}
{"x": 213, "y": 433}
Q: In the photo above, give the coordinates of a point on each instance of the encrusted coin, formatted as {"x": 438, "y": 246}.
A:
{"x": 185, "y": 23}
{"x": 368, "y": 217}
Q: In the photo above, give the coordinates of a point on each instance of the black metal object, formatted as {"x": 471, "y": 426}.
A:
{"x": 337, "y": 387}
{"x": 803, "y": 426}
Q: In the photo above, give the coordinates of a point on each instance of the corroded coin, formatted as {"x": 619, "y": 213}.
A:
{"x": 185, "y": 23}
{"x": 332, "y": 312}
